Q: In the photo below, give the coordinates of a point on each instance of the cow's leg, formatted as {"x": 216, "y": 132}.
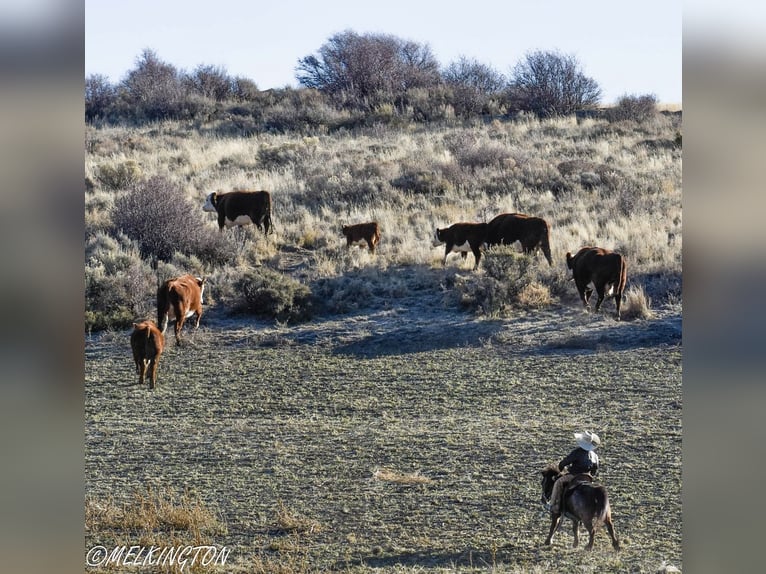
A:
{"x": 618, "y": 304}
{"x": 152, "y": 372}
{"x": 198, "y": 314}
{"x": 142, "y": 372}
{"x": 555, "y": 519}
{"x": 180, "y": 320}
{"x": 584, "y": 293}
{"x": 476, "y": 256}
{"x": 601, "y": 291}
{"x": 162, "y": 322}
{"x": 370, "y": 245}
{"x": 448, "y": 247}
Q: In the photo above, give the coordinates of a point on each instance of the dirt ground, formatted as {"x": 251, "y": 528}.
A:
{"x": 409, "y": 435}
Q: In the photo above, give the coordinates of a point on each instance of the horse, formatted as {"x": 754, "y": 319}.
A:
{"x": 584, "y": 502}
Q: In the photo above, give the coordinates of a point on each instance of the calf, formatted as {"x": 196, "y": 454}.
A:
{"x": 361, "y": 234}
{"x": 532, "y": 232}
{"x": 147, "y": 343}
{"x": 180, "y": 298}
{"x": 462, "y": 237}
{"x": 241, "y": 208}
{"x": 607, "y": 271}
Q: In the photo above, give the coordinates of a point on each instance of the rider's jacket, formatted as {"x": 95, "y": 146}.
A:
{"x": 580, "y": 461}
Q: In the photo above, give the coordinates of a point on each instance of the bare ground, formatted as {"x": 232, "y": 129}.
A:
{"x": 321, "y": 418}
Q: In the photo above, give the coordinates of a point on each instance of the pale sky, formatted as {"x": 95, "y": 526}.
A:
{"x": 626, "y": 47}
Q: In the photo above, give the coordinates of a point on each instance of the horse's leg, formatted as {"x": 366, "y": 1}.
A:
{"x": 555, "y": 518}
{"x": 612, "y": 534}
{"x": 575, "y": 528}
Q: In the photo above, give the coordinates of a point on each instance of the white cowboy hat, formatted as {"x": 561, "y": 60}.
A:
{"x": 587, "y": 440}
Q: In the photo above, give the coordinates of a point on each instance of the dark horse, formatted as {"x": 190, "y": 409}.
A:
{"x": 584, "y": 502}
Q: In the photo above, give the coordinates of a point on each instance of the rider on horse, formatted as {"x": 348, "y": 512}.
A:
{"x": 582, "y": 464}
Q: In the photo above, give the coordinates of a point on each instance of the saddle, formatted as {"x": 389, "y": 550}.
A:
{"x": 577, "y": 481}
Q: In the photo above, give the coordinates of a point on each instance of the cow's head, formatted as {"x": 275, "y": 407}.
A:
{"x": 440, "y": 236}
{"x": 211, "y": 203}
{"x": 569, "y": 260}
{"x": 344, "y": 230}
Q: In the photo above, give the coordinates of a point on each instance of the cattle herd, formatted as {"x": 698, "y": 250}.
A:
{"x": 180, "y": 298}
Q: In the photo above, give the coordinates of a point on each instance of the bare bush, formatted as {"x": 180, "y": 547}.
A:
{"x": 633, "y": 108}
{"x": 162, "y": 220}
{"x": 118, "y": 176}
{"x": 268, "y": 293}
{"x": 473, "y": 85}
{"x": 363, "y": 71}
{"x": 119, "y": 286}
{"x": 551, "y": 84}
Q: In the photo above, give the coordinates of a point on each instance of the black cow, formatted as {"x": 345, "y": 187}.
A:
{"x": 532, "y": 232}
{"x": 606, "y": 269}
{"x": 461, "y": 238}
{"x": 241, "y": 208}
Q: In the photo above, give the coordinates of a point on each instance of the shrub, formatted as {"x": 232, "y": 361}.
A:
{"x": 118, "y": 176}
{"x": 633, "y": 108}
{"x": 637, "y": 304}
{"x": 510, "y": 280}
{"x": 424, "y": 182}
{"x": 162, "y": 220}
{"x": 268, "y": 293}
{"x": 119, "y": 286}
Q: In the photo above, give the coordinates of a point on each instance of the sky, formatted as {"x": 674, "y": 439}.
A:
{"x": 628, "y": 48}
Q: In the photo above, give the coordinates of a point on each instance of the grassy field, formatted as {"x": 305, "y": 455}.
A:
{"x": 404, "y": 439}
{"x": 400, "y": 423}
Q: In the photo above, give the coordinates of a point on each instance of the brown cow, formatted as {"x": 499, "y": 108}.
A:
{"x": 241, "y": 208}
{"x": 462, "y": 237}
{"x": 180, "y": 298}
{"x": 362, "y": 233}
{"x": 147, "y": 343}
{"x": 532, "y": 232}
{"x": 607, "y": 271}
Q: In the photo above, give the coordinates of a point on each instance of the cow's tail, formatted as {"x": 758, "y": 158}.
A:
{"x": 623, "y": 275}
{"x": 162, "y": 307}
{"x": 545, "y": 244}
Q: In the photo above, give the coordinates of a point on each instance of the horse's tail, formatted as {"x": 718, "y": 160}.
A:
{"x": 601, "y": 505}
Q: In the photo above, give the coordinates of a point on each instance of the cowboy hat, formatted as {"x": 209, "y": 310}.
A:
{"x": 587, "y": 440}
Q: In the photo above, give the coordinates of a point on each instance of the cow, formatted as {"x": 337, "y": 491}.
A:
{"x": 180, "y": 298}
{"x": 532, "y": 232}
{"x": 361, "y": 234}
{"x": 461, "y": 238}
{"x": 147, "y": 343}
{"x": 238, "y": 208}
{"x": 606, "y": 269}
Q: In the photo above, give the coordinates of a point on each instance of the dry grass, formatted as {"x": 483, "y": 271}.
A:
{"x": 397, "y": 477}
{"x": 637, "y": 304}
{"x": 289, "y": 522}
{"x": 153, "y": 510}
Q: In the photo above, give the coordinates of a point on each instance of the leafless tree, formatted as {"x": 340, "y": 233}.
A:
{"x": 551, "y": 84}
{"x": 473, "y": 84}
{"x": 154, "y": 88}
{"x": 211, "y": 82}
{"x": 362, "y": 71}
